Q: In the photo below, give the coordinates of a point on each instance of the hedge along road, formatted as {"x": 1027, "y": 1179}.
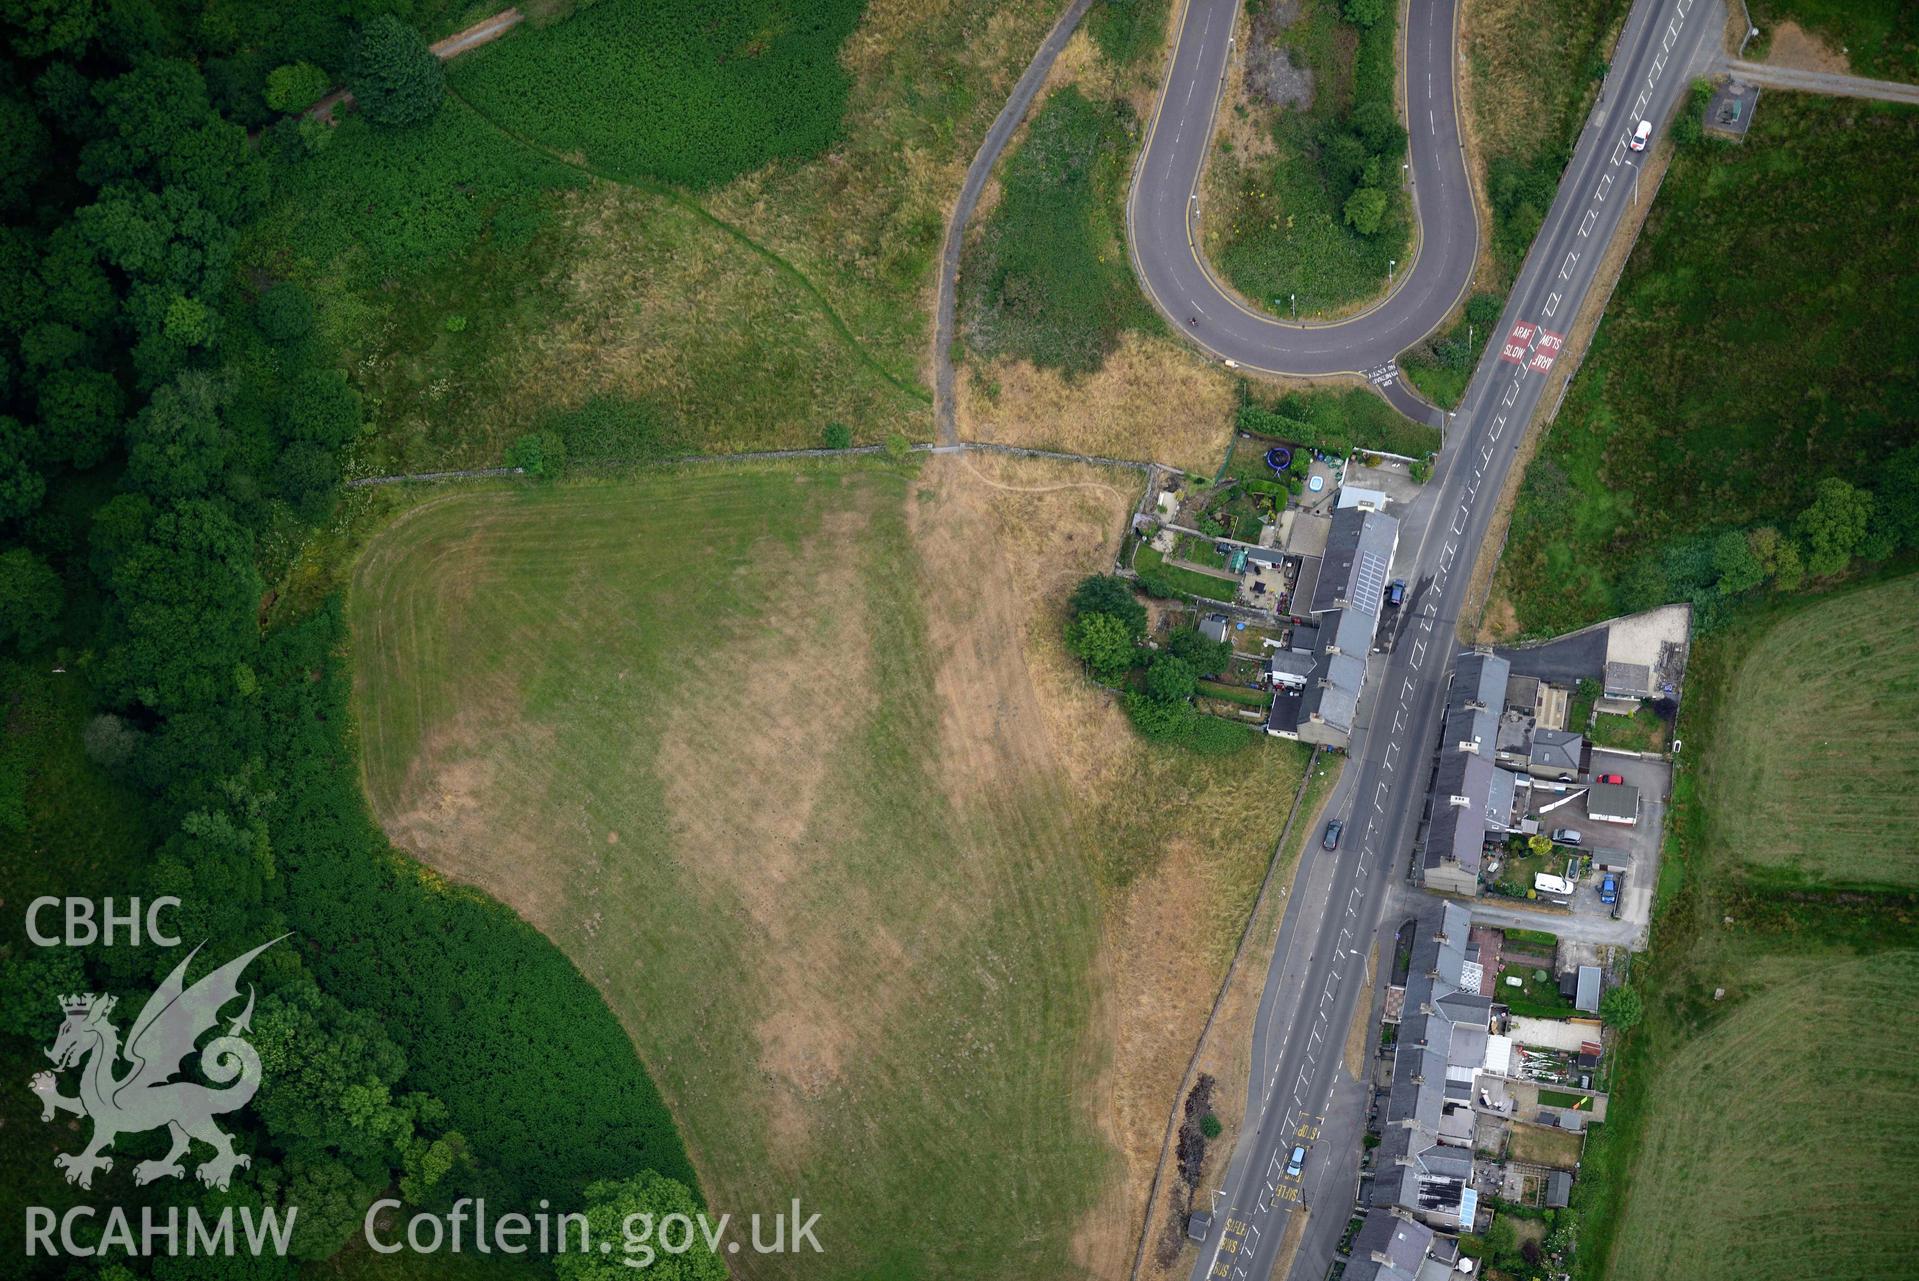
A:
{"x": 1162, "y": 215}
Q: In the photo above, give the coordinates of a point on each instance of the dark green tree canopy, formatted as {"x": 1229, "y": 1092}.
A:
{"x": 396, "y": 79}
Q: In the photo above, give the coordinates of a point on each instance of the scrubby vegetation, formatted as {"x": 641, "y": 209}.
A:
{"x": 1046, "y": 277}
{"x": 1665, "y": 477}
{"x": 1128, "y": 32}
{"x": 694, "y": 92}
{"x": 1336, "y": 422}
{"x": 1324, "y": 214}
{"x": 1880, "y": 38}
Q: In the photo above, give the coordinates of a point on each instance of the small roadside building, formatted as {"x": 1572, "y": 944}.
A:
{"x": 1214, "y": 627}
{"x": 1586, "y": 989}
{"x": 1613, "y": 803}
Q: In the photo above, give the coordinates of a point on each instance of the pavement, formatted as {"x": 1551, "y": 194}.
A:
{"x": 1823, "y": 82}
{"x": 1316, "y": 978}
{"x": 1162, "y": 217}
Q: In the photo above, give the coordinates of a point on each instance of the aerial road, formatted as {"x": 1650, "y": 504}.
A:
{"x": 1162, "y": 214}
{"x": 1318, "y": 972}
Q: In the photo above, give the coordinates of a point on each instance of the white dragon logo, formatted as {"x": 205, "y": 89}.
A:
{"x": 146, "y": 1097}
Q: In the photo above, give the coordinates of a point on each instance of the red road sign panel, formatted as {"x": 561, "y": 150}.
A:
{"x": 1518, "y": 343}
{"x": 1547, "y": 351}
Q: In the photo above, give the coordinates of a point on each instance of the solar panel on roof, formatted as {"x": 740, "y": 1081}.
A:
{"x": 1370, "y": 581}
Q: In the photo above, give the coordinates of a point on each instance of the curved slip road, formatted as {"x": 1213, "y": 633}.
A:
{"x": 1163, "y": 220}
{"x": 1298, "y": 1091}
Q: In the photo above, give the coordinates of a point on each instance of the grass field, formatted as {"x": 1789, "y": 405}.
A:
{"x": 1816, "y": 775}
{"x": 899, "y": 915}
{"x": 1741, "y": 265}
{"x": 1544, "y": 1145}
{"x": 1275, "y": 225}
{"x": 1783, "y": 1133}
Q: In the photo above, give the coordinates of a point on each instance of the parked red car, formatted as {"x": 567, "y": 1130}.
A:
{"x": 1612, "y": 778}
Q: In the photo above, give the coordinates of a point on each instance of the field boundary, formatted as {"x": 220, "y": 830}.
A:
{"x": 777, "y": 455}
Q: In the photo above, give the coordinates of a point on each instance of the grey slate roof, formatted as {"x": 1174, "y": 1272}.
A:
{"x": 1481, "y": 678}
{"x": 1613, "y": 800}
{"x": 1557, "y": 748}
{"x": 1213, "y": 627}
{"x": 1395, "y": 1243}
{"x": 1633, "y": 679}
{"x": 1470, "y": 729}
{"x": 1357, "y": 562}
{"x": 1499, "y": 799}
{"x": 1332, "y": 690}
{"x": 1559, "y": 1189}
{"x": 1289, "y": 662}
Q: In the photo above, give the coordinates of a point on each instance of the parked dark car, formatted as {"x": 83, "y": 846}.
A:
{"x": 1330, "y": 841}
{"x": 1396, "y": 594}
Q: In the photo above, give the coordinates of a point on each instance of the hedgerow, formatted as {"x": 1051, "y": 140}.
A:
{"x": 694, "y": 92}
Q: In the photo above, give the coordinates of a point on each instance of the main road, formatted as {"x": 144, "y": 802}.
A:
{"x": 1162, "y": 213}
{"x": 1318, "y": 971}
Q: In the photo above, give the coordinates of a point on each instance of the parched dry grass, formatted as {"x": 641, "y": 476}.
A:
{"x": 1153, "y": 399}
{"x": 1544, "y": 1145}
{"x": 1793, "y": 46}
{"x": 660, "y": 307}
{"x": 792, "y": 762}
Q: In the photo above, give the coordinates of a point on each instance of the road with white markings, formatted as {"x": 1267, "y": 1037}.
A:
{"x": 1317, "y": 976}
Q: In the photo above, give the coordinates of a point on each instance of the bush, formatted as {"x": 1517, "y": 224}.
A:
{"x": 839, "y": 436}
{"x": 540, "y": 454}
{"x": 1209, "y": 1126}
{"x": 296, "y": 86}
{"x": 1622, "y": 1008}
{"x": 396, "y": 78}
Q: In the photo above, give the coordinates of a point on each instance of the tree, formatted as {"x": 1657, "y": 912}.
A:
{"x": 1378, "y": 127}
{"x": 1739, "y": 570}
{"x": 1363, "y": 13}
{"x": 396, "y": 78}
{"x": 29, "y": 600}
{"x": 1104, "y": 643}
{"x": 1622, "y": 1008}
{"x": 1895, "y": 508}
{"x": 21, "y": 486}
{"x": 633, "y": 1214}
{"x": 1539, "y": 843}
{"x": 284, "y": 313}
{"x": 1109, "y": 594}
{"x": 1171, "y": 680}
{"x": 109, "y": 742}
{"x": 1834, "y": 525}
{"x": 1365, "y": 209}
{"x": 1206, "y": 657}
{"x": 296, "y": 86}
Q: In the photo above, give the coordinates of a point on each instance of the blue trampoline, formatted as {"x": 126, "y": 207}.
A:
{"x": 1279, "y": 458}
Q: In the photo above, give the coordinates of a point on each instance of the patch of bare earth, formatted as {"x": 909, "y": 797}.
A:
{"x": 1152, "y": 400}
{"x": 1793, "y": 46}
